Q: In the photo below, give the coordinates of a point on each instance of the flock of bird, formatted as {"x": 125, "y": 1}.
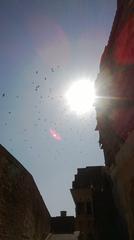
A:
{"x": 43, "y": 121}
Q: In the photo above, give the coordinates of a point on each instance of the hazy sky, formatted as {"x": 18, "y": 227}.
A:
{"x": 45, "y": 45}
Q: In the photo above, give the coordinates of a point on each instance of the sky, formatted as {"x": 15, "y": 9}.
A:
{"x": 45, "y": 46}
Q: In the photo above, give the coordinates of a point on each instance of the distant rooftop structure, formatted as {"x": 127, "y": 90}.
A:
{"x": 63, "y": 224}
{"x": 63, "y": 228}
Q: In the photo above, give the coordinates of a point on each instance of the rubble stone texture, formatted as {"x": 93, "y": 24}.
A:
{"x": 23, "y": 214}
{"x": 115, "y": 109}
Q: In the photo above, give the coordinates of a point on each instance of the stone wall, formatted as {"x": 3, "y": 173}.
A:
{"x": 115, "y": 109}
{"x": 115, "y": 85}
{"x": 97, "y": 216}
{"x": 123, "y": 178}
{"x": 23, "y": 214}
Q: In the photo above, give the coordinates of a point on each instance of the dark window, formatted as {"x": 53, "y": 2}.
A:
{"x": 79, "y": 208}
{"x": 89, "y": 208}
{"x": 90, "y": 236}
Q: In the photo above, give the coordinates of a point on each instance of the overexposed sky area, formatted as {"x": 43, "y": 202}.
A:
{"x": 45, "y": 46}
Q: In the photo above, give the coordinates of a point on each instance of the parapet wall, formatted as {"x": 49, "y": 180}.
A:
{"x": 23, "y": 214}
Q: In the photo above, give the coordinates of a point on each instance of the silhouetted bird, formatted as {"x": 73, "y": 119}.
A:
{"x": 37, "y": 87}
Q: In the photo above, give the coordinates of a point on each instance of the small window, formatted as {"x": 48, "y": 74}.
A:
{"x": 89, "y": 208}
{"x": 79, "y": 208}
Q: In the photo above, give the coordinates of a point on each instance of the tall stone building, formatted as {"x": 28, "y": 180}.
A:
{"x": 115, "y": 109}
{"x": 23, "y": 213}
{"x": 97, "y": 217}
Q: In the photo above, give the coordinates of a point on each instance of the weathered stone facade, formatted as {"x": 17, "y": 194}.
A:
{"x": 23, "y": 214}
{"x": 115, "y": 109}
{"x": 97, "y": 217}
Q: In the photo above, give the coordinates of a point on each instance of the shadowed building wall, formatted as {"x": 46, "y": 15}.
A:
{"x": 62, "y": 224}
{"x": 97, "y": 217}
{"x": 115, "y": 109}
{"x": 23, "y": 214}
{"x": 63, "y": 228}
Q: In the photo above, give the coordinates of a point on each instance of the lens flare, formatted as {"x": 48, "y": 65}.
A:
{"x": 55, "y": 134}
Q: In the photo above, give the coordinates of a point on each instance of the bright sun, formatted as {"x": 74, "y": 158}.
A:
{"x": 80, "y": 96}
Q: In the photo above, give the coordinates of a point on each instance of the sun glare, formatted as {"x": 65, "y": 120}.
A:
{"x": 80, "y": 96}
